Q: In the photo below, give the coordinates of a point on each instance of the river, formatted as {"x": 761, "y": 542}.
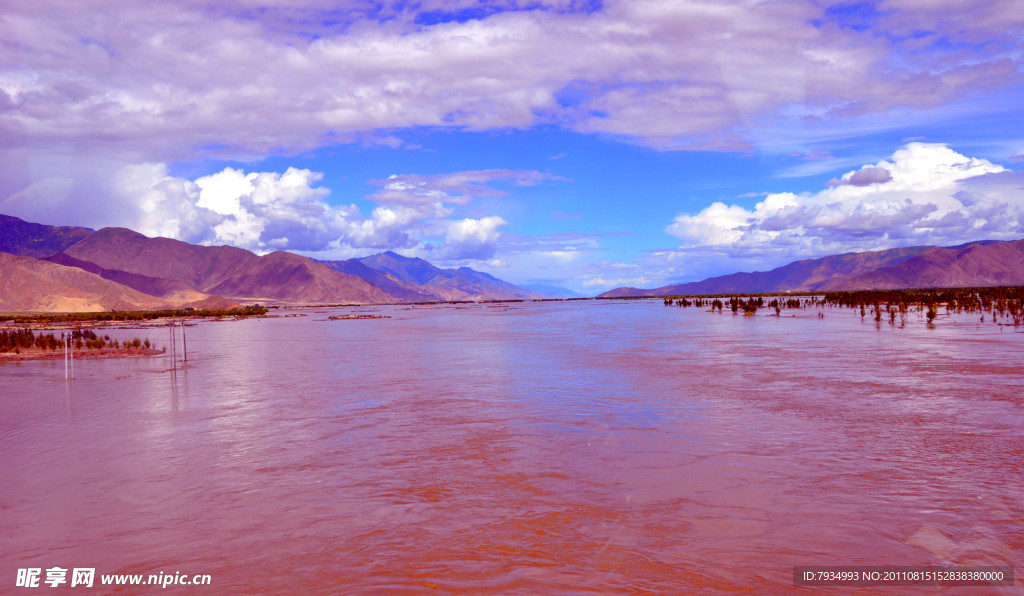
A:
{"x": 557, "y": 447}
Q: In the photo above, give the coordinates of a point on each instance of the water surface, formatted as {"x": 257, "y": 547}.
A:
{"x": 579, "y": 447}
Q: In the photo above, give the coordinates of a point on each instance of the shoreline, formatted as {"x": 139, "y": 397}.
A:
{"x": 133, "y": 316}
{"x": 84, "y": 354}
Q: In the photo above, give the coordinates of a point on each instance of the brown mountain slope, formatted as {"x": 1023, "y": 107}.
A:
{"x": 804, "y": 275}
{"x": 224, "y": 270}
{"x": 20, "y": 237}
{"x": 197, "y": 267}
{"x": 154, "y": 286}
{"x": 290, "y": 277}
{"x": 995, "y": 264}
{"x": 28, "y": 284}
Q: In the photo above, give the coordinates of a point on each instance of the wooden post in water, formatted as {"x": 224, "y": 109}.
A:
{"x": 64, "y": 341}
{"x": 71, "y": 346}
{"x": 184, "y": 346}
{"x": 174, "y": 361}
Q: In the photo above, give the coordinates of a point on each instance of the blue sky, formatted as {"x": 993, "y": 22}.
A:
{"x": 582, "y": 144}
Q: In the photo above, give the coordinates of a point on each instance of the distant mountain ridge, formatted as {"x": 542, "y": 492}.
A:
{"x": 553, "y": 291}
{"x": 170, "y": 272}
{"x": 117, "y": 268}
{"x": 982, "y": 263}
{"x": 442, "y": 284}
{"x": 393, "y": 285}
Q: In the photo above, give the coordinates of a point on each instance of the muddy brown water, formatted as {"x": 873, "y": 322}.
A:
{"x": 579, "y": 447}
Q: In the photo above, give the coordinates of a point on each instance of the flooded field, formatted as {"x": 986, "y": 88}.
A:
{"x": 577, "y": 447}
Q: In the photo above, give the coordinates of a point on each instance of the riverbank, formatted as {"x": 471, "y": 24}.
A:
{"x": 97, "y": 354}
{"x": 132, "y": 315}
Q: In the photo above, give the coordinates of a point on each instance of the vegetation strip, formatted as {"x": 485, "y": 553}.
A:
{"x": 135, "y": 315}
{"x": 1006, "y": 302}
{"x": 26, "y": 344}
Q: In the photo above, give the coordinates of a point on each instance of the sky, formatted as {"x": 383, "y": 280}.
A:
{"x": 584, "y": 144}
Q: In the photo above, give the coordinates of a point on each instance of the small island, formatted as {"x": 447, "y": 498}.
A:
{"x": 24, "y": 344}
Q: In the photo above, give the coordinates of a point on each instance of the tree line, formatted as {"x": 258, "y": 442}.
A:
{"x": 19, "y": 340}
{"x": 135, "y": 315}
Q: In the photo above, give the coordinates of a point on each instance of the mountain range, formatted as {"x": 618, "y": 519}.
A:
{"x": 975, "y": 264}
{"x": 51, "y": 268}
{"x": 66, "y": 268}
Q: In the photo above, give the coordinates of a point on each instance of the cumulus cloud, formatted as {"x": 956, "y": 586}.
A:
{"x": 262, "y": 210}
{"x": 475, "y": 239}
{"x": 168, "y": 81}
{"x": 717, "y": 224}
{"x": 863, "y": 177}
{"x": 155, "y": 203}
{"x": 266, "y": 211}
{"x": 924, "y": 194}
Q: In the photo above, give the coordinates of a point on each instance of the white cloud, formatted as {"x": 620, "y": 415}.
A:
{"x": 160, "y": 204}
{"x": 717, "y": 224}
{"x": 265, "y": 211}
{"x": 457, "y": 188}
{"x": 472, "y": 238}
{"x": 172, "y": 80}
{"x": 602, "y": 283}
{"x": 925, "y": 194}
{"x": 863, "y": 177}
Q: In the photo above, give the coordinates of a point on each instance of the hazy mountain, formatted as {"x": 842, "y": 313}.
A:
{"x": 983, "y": 263}
{"x": 223, "y": 270}
{"x": 20, "y": 237}
{"x": 388, "y": 282}
{"x": 28, "y": 284}
{"x": 447, "y": 284}
{"x": 411, "y": 269}
{"x": 552, "y": 291}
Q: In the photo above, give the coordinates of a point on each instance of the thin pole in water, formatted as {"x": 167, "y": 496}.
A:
{"x": 64, "y": 341}
{"x": 71, "y": 346}
{"x": 184, "y": 346}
